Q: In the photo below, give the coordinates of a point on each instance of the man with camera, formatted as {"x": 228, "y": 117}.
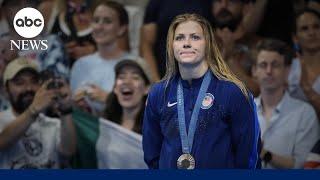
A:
{"x": 28, "y": 137}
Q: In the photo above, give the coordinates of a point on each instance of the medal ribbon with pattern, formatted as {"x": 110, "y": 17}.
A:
{"x": 187, "y": 139}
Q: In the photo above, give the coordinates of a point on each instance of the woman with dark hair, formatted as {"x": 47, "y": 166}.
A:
{"x": 125, "y": 105}
{"x": 201, "y": 115}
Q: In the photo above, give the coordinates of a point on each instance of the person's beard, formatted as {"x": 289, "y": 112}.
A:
{"x": 232, "y": 23}
{"x": 22, "y": 102}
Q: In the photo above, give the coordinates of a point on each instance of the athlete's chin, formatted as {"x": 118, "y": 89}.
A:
{"x": 188, "y": 62}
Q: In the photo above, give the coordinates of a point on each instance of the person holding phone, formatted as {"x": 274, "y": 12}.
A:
{"x": 29, "y": 138}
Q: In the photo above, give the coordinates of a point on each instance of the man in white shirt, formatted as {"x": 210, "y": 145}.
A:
{"x": 289, "y": 126}
{"x": 28, "y": 138}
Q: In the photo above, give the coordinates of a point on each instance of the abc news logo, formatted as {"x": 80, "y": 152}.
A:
{"x": 28, "y": 23}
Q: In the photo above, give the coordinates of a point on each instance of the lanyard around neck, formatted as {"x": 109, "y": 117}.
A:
{"x": 187, "y": 139}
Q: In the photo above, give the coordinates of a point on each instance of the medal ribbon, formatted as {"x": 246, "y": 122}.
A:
{"x": 187, "y": 139}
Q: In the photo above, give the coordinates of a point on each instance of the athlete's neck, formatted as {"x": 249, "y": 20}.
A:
{"x": 193, "y": 71}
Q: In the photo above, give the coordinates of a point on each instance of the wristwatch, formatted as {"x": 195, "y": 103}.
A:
{"x": 267, "y": 157}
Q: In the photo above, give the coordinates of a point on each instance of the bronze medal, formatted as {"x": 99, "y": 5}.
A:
{"x": 186, "y": 161}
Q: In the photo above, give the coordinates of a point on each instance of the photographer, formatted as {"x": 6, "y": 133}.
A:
{"x": 28, "y": 138}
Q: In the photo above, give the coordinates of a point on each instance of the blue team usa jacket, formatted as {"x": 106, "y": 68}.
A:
{"x": 227, "y": 133}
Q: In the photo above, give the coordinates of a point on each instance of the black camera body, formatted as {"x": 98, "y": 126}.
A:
{"x": 55, "y": 84}
{"x": 58, "y": 108}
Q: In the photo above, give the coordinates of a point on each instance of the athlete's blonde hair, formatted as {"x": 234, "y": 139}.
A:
{"x": 212, "y": 54}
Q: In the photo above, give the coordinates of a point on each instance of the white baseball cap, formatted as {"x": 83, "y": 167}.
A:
{"x": 17, "y": 65}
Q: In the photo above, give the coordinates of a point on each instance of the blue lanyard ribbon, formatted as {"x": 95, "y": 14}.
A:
{"x": 187, "y": 139}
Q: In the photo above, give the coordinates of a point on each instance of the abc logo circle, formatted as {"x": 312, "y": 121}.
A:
{"x": 28, "y": 22}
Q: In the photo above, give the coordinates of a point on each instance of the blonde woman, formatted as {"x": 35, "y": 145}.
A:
{"x": 200, "y": 115}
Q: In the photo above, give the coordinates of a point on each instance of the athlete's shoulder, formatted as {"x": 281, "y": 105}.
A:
{"x": 156, "y": 91}
{"x": 232, "y": 92}
{"x": 157, "y": 88}
{"x": 227, "y": 87}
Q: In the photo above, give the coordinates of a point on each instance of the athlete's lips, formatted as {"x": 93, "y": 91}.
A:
{"x": 187, "y": 52}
